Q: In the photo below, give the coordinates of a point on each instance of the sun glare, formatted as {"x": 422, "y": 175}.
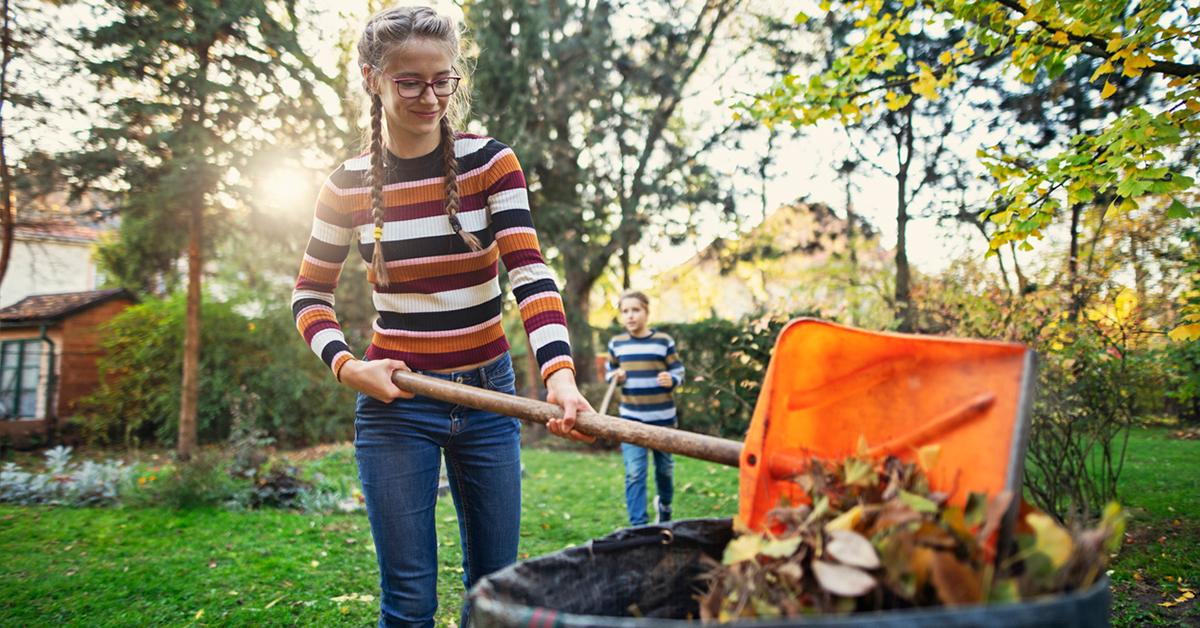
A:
{"x": 286, "y": 190}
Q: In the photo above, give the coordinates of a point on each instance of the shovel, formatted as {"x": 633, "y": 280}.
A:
{"x": 828, "y": 390}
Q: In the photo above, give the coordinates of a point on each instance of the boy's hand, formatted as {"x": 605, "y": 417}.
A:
{"x": 619, "y": 375}
{"x": 665, "y": 380}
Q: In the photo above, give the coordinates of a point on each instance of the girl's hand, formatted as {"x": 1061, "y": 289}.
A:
{"x": 619, "y": 375}
{"x": 665, "y": 380}
{"x": 374, "y": 378}
{"x": 563, "y": 392}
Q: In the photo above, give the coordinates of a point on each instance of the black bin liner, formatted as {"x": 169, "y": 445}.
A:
{"x": 646, "y": 576}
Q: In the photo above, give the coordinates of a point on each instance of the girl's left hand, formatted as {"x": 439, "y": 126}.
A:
{"x": 563, "y": 392}
{"x": 665, "y": 380}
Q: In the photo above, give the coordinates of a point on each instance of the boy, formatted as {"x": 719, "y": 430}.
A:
{"x": 646, "y": 363}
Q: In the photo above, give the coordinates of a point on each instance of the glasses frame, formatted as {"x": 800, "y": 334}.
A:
{"x": 425, "y": 85}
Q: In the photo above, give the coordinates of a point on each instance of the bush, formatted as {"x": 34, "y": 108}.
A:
{"x": 259, "y": 366}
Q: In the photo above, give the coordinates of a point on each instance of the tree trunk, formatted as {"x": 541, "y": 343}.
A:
{"x": 7, "y": 220}
{"x": 1022, "y": 282}
{"x": 189, "y": 401}
{"x": 1073, "y": 263}
{"x": 625, "y": 281}
{"x": 190, "y": 397}
{"x": 576, "y": 301}
{"x": 904, "y": 151}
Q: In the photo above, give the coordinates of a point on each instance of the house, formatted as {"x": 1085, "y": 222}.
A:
{"x": 50, "y": 256}
{"x": 49, "y": 344}
{"x": 802, "y": 258}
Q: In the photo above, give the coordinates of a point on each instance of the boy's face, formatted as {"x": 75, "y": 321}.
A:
{"x": 634, "y": 316}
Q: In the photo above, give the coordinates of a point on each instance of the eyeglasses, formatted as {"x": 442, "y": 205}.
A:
{"x": 407, "y": 87}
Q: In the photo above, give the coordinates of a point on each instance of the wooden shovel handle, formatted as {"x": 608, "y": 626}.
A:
{"x": 700, "y": 446}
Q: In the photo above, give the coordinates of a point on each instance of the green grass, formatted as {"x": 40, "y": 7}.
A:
{"x": 96, "y": 567}
{"x": 1160, "y": 488}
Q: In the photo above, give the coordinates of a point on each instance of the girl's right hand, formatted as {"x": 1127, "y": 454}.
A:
{"x": 619, "y": 375}
{"x": 374, "y": 378}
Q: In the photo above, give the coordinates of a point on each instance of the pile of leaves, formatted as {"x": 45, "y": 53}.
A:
{"x": 876, "y": 537}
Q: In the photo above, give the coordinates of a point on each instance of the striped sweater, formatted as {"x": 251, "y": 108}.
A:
{"x": 441, "y": 308}
{"x": 642, "y": 398}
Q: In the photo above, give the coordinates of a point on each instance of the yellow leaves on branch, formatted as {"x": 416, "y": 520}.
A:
{"x": 926, "y": 83}
{"x": 1108, "y": 91}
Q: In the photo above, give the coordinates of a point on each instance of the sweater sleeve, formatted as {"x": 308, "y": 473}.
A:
{"x": 312, "y": 298}
{"x": 533, "y": 283}
{"x": 674, "y": 364}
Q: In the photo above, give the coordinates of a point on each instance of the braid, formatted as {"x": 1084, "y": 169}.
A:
{"x": 375, "y": 179}
{"x": 451, "y": 168}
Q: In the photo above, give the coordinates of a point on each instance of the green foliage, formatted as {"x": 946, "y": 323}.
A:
{"x": 204, "y": 481}
{"x": 1126, "y": 158}
{"x": 256, "y": 368}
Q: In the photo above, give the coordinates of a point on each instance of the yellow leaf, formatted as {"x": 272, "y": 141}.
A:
{"x": 926, "y": 84}
{"x": 744, "y": 547}
{"x": 846, "y": 520}
{"x": 927, "y": 456}
{"x": 1109, "y": 90}
{"x": 1194, "y": 105}
{"x": 1134, "y": 64}
{"x": 199, "y": 614}
{"x": 1105, "y": 68}
{"x": 945, "y": 58}
{"x": 1052, "y": 539}
{"x": 1060, "y": 37}
{"x": 1126, "y": 302}
{"x": 862, "y": 449}
{"x": 1185, "y": 333}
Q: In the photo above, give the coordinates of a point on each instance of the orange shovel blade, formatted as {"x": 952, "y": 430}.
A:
{"x": 828, "y": 385}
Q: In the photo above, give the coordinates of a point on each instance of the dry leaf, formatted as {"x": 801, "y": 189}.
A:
{"x": 742, "y": 548}
{"x": 955, "y": 582}
{"x": 841, "y": 579}
{"x": 846, "y": 520}
{"x": 850, "y": 548}
{"x": 780, "y": 548}
{"x": 1051, "y": 539}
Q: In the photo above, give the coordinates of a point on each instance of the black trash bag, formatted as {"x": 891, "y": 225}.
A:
{"x": 648, "y": 576}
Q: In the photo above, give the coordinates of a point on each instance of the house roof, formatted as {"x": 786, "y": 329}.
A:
{"x": 60, "y": 230}
{"x": 43, "y": 308}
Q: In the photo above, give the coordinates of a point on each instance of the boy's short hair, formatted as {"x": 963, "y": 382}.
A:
{"x": 634, "y": 294}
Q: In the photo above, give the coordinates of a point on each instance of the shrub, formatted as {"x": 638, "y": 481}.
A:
{"x": 64, "y": 482}
{"x": 259, "y": 367}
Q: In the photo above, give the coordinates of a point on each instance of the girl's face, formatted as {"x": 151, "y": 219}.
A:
{"x": 634, "y": 316}
{"x": 413, "y": 119}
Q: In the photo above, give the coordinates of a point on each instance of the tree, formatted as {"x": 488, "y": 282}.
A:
{"x": 594, "y": 111}
{"x": 1145, "y": 151}
{"x": 192, "y": 91}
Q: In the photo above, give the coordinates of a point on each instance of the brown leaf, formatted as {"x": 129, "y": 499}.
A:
{"x": 955, "y": 582}
{"x": 850, "y": 548}
{"x": 841, "y": 579}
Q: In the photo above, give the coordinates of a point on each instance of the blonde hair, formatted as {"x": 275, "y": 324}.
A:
{"x": 634, "y": 294}
{"x": 383, "y": 33}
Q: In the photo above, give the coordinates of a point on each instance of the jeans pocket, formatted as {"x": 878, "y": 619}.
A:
{"x": 501, "y": 377}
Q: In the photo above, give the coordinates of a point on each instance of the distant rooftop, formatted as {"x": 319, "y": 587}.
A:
{"x": 50, "y": 307}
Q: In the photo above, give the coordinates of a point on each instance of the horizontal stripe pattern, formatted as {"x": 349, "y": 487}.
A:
{"x": 642, "y": 397}
{"x": 441, "y": 307}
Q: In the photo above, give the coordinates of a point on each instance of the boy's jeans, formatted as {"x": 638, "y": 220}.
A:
{"x": 635, "y": 477}
{"x": 398, "y": 447}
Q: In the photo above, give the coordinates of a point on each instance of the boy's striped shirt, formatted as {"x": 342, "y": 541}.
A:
{"x": 441, "y": 309}
{"x": 642, "y": 398}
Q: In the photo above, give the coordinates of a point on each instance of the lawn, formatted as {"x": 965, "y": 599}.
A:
{"x": 149, "y": 566}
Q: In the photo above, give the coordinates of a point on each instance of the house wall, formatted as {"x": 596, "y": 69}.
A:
{"x": 80, "y": 349}
{"x": 45, "y": 266}
{"x": 76, "y": 348}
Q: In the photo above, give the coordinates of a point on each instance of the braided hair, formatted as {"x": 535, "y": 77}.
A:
{"x": 385, "y": 32}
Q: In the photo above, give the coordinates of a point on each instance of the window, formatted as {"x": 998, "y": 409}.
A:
{"x": 20, "y": 369}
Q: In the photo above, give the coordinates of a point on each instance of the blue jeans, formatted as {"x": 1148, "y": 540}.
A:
{"x": 635, "y": 477}
{"x": 398, "y": 446}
